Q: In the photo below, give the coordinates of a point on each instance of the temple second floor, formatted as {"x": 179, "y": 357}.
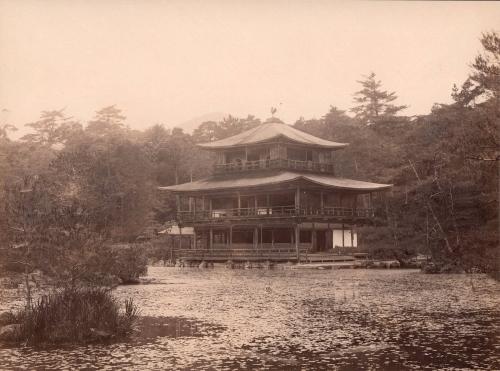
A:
{"x": 283, "y": 195}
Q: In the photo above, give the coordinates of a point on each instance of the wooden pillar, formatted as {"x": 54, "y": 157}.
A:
{"x": 352, "y": 235}
{"x": 172, "y": 248}
{"x": 239, "y": 203}
{"x": 322, "y": 202}
{"x": 210, "y": 208}
{"x": 267, "y": 204}
{"x": 314, "y": 239}
{"x": 210, "y": 238}
{"x": 343, "y": 244}
{"x": 231, "y": 237}
{"x": 261, "y": 237}
{"x": 194, "y": 239}
{"x": 272, "y": 237}
{"x": 297, "y": 198}
{"x": 180, "y": 236}
{"x": 297, "y": 240}
{"x": 329, "y": 238}
{"x": 178, "y": 202}
{"x": 255, "y": 237}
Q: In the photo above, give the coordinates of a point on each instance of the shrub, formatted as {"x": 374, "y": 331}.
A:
{"x": 79, "y": 315}
{"x": 129, "y": 263}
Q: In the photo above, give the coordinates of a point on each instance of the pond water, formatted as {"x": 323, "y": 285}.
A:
{"x": 286, "y": 319}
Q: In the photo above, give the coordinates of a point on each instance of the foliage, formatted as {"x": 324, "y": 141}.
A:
{"x": 129, "y": 262}
{"x": 210, "y": 130}
{"x": 108, "y": 121}
{"x": 486, "y": 67}
{"x": 77, "y": 315}
{"x": 53, "y": 128}
{"x": 374, "y": 103}
{"x": 67, "y": 191}
{"x": 444, "y": 168}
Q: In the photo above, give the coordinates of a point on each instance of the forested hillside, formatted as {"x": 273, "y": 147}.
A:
{"x": 101, "y": 176}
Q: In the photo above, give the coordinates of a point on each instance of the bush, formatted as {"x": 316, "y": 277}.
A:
{"x": 129, "y": 263}
{"x": 76, "y": 316}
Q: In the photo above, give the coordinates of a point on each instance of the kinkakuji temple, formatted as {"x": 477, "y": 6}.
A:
{"x": 273, "y": 196}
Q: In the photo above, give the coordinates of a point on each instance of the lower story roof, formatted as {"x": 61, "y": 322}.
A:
{"x": 260, "y": 180}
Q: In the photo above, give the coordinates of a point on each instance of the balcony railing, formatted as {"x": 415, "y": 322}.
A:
{"x": 244, "y": 252}
{"x": 274, "y": 164}
{"x": 273, "y": 212}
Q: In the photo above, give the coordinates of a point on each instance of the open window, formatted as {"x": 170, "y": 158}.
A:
{"x": 300, "y": 154}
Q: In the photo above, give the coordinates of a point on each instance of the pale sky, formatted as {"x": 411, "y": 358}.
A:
{"x": 169, "y": 61}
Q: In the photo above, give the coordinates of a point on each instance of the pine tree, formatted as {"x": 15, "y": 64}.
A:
{"x": 374, "y": 103}
{"x": 108, "y": 120}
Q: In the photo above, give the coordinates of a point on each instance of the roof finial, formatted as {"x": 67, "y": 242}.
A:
{"x": 273, "y": 111}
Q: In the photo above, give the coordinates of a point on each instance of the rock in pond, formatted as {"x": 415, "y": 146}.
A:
{"x": 10, "y": 332}
{"x": 100, "y": 335}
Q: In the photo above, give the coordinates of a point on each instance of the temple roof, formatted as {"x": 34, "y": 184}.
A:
{"x": 237, "y": 181}
{"x": 272, "y": 128}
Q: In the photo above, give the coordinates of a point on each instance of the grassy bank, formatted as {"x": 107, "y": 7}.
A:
{"x": 81, "y": 315}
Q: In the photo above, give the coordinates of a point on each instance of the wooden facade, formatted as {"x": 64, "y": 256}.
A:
{"x": 275, "y": 199}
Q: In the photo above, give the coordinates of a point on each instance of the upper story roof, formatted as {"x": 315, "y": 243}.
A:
{"x": 272, "y": 128}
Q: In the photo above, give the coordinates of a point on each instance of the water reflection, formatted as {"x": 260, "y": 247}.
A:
{"x": 150, "y": 328}
{"x": 282, "y": 319}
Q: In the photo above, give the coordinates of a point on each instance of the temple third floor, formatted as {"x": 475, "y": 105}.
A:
{"x": 273, "y": 145}
{"x": 274, "y": 156}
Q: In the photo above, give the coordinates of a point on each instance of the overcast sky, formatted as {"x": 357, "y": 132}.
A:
{"x": 169, "y": 61}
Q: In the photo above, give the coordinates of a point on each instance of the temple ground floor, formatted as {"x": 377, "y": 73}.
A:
{"x": 268, "y": 242}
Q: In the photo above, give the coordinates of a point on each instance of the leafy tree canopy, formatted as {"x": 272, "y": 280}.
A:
{"x": 373, "y": 102}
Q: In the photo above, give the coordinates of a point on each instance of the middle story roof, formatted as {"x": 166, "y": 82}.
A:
{"x": 237, "y": 181}
{"x": 271, "y": 129}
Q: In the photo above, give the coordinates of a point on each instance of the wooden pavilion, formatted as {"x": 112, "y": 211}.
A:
{"x": 273, "y": 196}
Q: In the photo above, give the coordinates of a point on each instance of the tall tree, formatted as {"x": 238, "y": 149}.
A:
{"x": 373, "y": 102}
{"x": 107, "y": 121}
{"x": 52, "y": 129}
{"x": 486, "y": 66}
{"x": 4, "y": 130}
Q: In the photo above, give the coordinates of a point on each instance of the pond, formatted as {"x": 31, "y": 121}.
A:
{"x": 286, "y": 319}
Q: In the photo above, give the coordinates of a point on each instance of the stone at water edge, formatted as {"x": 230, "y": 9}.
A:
{"x": 267, "y": 264}
{"x": 100, "y": 335}
{"x": 394, "y": 264}
{"x": 10, "y": 332}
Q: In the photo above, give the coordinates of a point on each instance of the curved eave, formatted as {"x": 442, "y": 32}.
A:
{"x": 228, "y": 184}
{"x": 214, "y": 146}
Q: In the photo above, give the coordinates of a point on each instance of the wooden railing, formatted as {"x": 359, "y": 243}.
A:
{"x": 273, "y": 212}
{"x": 277, "y": 163}
{"x": 284, "y": 251}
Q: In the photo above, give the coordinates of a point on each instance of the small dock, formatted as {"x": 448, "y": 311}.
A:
{"x": 326, "y": 257}
{"x": 325, "y": 265}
